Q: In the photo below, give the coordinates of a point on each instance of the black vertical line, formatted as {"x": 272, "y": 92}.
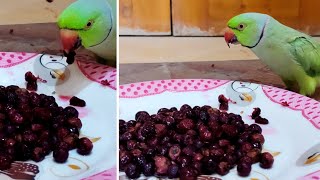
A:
{"x": 171, "y": 18}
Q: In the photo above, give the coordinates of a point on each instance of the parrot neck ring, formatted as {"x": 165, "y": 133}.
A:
{"x": 110, "y": 29}
{"x": 104, "y": 38}
{"x": 261, "y": 35}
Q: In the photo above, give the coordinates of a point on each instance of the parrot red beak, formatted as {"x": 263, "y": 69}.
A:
{"x": 230, "y": 37}
{"x": 70, "y": 40}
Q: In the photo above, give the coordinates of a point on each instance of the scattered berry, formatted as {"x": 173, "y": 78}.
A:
{"x": 105, "y": 82}
{"x": 285, "y": 104}
{"x": 256, "y": 112}
{"x": 260, "y": 120}
{"x": 75, "y": 101}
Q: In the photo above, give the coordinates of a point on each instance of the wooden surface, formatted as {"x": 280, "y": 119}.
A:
{"x": 34, "y": 38}
{"x": 249, "y": 71}
{"x": 209, "y": 17}
{"x": 144, "y": 17}
{"x": 31, "y": 11}
{"x": 179, "y": 49}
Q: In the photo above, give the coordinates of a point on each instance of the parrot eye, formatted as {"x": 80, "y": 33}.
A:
{"x": 241, "y": 27}
{"x": 89, "y": 24}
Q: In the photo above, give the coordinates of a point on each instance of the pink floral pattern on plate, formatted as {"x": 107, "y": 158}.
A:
{"x": 310, "y": 108}
{"x": 98, "y": 73}
{"x": 8, "y": 59}
{"x": 105, "y": 175}
{"x": 157, "y": 87}
{"x": 91, "y": 70}
{"x": 311, "y": 176}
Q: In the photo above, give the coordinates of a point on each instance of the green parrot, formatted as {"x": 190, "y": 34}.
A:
{"x": 91, "y": 24}
{"x": 291, "y": 54}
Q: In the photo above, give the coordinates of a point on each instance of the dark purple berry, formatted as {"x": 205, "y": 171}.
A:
{"x": 255, "y": 128}
{"x": 224, "y": 106}
{"x": 257, "y": 138}
{"x": 5, "y": 162}
{"x": 188, "y": 173}
{"x": 256, "y": 112}
{"x": 223, "y": 168}
{"x": 75, "y": 101}
{"x": 174, "y": 152}
{"x": 208, "y": 166}
{"x": 148, "y": 169}
{"x": 29, "y": 77}
{"x": 71, "y": 112}
{"x": 222, "y": 99}
{"x": 38, "y": 154}
{"x": 173, "y": 171}
{"x": 75, "y": 122}
{"x": 124, "y": 159}
{"x": 260, "y": 120}
{"x": 132, "y": 171}
{"x": 142, "y": 116}
{"x": 60, "y": 155}
{"x": 185, "y": 125}
{"x": 84, "y": 146}
{"x": 161, "y": 165}
{"x": 266, "y": 160}
{"x": 244, "y": 169}
{"x": 32, "y": 86}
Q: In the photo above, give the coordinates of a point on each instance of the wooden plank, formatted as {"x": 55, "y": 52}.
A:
{"x": 144, "y": 17}
{"x": 31, "y": 11}
{"x": 182, "y": 49}
{"x": 179, "y": 49}
{"x": 309, "y": 16}
{"x": 209, "y": 17}
{"x": 243, "y": 70}
{"x": 35, "y": 38}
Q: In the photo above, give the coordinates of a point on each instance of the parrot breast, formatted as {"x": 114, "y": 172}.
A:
{"x": 272, "y": 50}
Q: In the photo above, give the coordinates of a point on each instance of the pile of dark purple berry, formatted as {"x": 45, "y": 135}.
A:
{"x": 190, "y": 142}
{"x": 33, "y": 125}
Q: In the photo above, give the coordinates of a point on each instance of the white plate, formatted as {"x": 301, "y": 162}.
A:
{"x": 292, "y": 134}
{"x": 98, "y": 117}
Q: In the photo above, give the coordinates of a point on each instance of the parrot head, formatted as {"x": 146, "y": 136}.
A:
{"x": 246, "y": 29}
{"x": 85, "y": 24}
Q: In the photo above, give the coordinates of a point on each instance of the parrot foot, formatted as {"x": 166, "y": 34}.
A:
{"x": 307, "y": 88}
{"x": 290, "y": 85}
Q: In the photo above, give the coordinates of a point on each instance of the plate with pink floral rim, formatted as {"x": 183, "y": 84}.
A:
{"x": 292, "y": 135}
{"x": 92, "y": 82}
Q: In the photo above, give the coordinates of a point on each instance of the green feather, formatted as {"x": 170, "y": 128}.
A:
{"x": 100, "y": 37}
{"x": 307, "y": 54}
{"x": 291, "y": 54}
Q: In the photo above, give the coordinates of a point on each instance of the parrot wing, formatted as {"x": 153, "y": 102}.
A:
{"x": 306, "y": 53}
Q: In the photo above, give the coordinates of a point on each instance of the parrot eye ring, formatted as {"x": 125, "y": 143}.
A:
{"x": 241, "y": 27}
